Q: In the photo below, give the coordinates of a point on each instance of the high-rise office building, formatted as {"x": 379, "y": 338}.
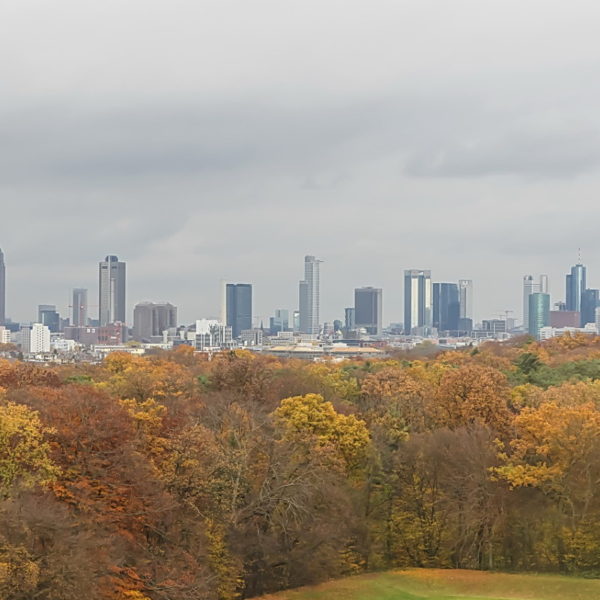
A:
{"x": 350, "y": 318}
{"x": 47, "y": 315}
{"x": 309, "y": 296}
{"x": 279, "y": 322}
{"x": 79, "y": 317}
{"x": 151, "y": 319}
{"x": 575, "y": 286}
{"x": 530, "y": 286}
{"x": 446, "y": 306}
{"x": 543, "y": 283}
{"x": 417, "y": 302}
{"x": 590, "y": 300}
{"x": 112, "y": 287}
{"x": 238, "y": 307}
{"x": 2, "y": 289}
{"x": 539, "y": 312}
{"x": 465, "y": 293}
{"x": 367, "y": 309}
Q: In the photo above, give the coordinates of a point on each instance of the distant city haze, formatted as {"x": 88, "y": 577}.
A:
{"x": 225, "y": 141}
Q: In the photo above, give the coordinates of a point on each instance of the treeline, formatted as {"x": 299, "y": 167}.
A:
{"x": 176, "y": 478}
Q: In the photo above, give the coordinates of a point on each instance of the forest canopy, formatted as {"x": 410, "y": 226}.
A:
{"x": 176, "y": 477}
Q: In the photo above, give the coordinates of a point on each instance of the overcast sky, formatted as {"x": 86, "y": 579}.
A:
{"x": 205, "y": 140}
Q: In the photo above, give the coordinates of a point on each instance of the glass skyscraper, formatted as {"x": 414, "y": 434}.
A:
{"x": 367, "y": 309}
{"x": 590, "y": 300}
{"x": 575, "y": 286}
{"x": 238, "y": 298}
{"x": 446, "y": 306}
{"x": 539, "y": 313}
{"x": 417, "y": 302}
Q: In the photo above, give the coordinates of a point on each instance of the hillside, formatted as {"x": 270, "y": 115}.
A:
{"x": 440, "y": 584}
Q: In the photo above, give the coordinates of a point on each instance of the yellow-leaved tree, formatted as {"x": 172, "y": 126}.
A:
{"x": 312, "y": 421}
{"x": 556, "y": 450}
{"x": 24, "y": 451}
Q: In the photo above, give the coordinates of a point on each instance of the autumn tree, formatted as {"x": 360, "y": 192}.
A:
{"x": 472, "y": 395}
{"x": 24, "y": 451}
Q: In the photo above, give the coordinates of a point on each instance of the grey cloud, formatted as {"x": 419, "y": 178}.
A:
{"x": 562, "y": 151}
{"x": 228, "y": 139}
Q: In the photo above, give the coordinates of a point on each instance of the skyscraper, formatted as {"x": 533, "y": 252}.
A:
{"x": 417, "y": 301}
{"x": 238, "y": 307}
{"x": 280, "y": 321}
{"x": 530, "y": 286}
{"x": 465, "y": 291}
{"x": 2, "y": 289}
{"x": 112, "y": 284}
{"x": 539, "y": 312}
{"x": 48, "y": 316}
{"x": 575, "y": 286}
{"x": 446, "y": 306}
{"x": 367, "y": 309}
{"x": 309, "y": 296}
{"x": 590, "y": 300}
{"x": 79, "y": 317}
{"x": 151, "y": 319}
{"x": 350, "y": 318}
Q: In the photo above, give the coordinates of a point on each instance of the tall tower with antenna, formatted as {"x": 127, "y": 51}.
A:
{"x": 575, "y": 284}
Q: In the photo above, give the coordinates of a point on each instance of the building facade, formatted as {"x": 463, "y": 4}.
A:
{"x": 446, "y": 306}
{"x": 279, "y": 322}
{"x": 539, "y": 313}
{"x": 564, "y": 318}
{"x": 151, "y": 319}
{"x": 238, "y": 307}
{"x": 35, "y": 339}
{"x": 530, "y": 286}
{"x": 309, "y": 300}
{"x": 112, "y": 290}
{"x": 48, "y": 315}
{"x": 368, "y": 309}
{"x": 210, "y": 334}
{"x": 575, "y": 287}
{"x": 590, "y": 299}
{"x": 79, "y": 315}
{"x": 417, "y": 302}
{"x": 465, "y": 291}
{"x": 350, "y": 318}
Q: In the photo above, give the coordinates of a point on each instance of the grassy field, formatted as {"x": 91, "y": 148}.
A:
{"x": 438, "y": 584}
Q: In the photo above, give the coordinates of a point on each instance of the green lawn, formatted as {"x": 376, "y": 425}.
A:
{"x": 439, "y": 584}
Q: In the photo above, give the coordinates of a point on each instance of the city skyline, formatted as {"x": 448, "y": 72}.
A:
{"x": 451, "y": 143}
{"x": 66, "y": 310}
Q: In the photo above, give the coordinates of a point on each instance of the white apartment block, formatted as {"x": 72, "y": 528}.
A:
{"x": 4, "y": 335}
{"x": 35, "y": 339}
